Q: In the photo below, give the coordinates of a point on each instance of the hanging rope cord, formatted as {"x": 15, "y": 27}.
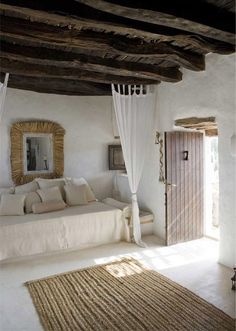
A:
{"x": 3, "y": 91}
{"x": 160, "y": 142}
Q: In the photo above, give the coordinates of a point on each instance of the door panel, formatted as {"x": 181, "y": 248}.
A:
{"x": 184, "y": 188}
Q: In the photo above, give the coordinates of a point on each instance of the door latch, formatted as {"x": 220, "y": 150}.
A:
{"x": 185, "y": 155}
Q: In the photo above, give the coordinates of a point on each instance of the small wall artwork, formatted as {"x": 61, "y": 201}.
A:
{"x": 116, "y": 159}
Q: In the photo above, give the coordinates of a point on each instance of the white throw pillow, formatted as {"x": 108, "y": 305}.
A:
{"x": 26, "y": 188}
{"x": 50, "y": 194}
{"x": 48, "y": 206}
{"x": 81, "y": 181}
{"x": 46, "y": 183}
{"x": 12, "y": 204}
{"x": 30, "y": 199}
{"x": 76, "y": 194}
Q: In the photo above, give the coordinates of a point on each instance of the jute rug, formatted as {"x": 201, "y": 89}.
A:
{"x": 122, "y": 296}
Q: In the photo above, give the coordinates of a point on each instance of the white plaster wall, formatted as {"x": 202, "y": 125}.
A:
{"x": 208, "y": 93}
{"x": 88, "y": 125}
{"x": 87, "y": 121}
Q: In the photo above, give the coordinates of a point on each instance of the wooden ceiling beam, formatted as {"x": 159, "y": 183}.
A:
{"x": 154, "y": 73}
{"x": 67, "y": 45}
{"x": 211, "y": 132}
{"x": 130, "y": 70}
{"x": 207, "y": 124}
{"x": 55, "y": 86}
{"x": 195, "y": 121}
{"x": 78, "y": 24}
{"x": 161, "y": 18}
{"x": 28, "y": 68}
{"x": 85, "y": 42}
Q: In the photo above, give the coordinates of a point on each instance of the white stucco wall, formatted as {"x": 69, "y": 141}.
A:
{"x": 87, "y": 121}
{"x": 207, "y": 93}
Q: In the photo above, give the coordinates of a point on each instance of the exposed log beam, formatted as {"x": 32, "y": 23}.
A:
{"x": 129, "y": 70}
{"x": 166, "y": 74}
{"x": 86, "y": 42}
{"x": 207, "y": 124}
{"x": 55, "y": 86}
{"x": 81, "y": 45}
{"x": 211, "y": 132}
{"x": 160, "y": 18}
{"x": 221, "y": 11}
{"x": 29, "y": 68}
{"x": 195, "y": 121}
{"x": 79, "y": 24}
{"x": 195, "y": 63}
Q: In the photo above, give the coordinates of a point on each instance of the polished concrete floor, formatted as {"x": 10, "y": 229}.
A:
{"x": 193, "y": 265}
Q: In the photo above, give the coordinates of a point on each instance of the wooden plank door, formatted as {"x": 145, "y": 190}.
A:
{"x": 184, "y": 186}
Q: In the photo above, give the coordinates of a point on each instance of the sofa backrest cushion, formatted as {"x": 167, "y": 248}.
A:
{"x": 12, "y": 204}
{"x": 6, "y": 190}
{"x": 76, "y": 194}
{"x": 50, "y": 194}
{"x": 26, "y": 188}
{"x": 81, "y": 181}
{"x": 46, "y": 183}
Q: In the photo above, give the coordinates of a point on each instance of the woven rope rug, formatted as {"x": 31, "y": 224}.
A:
{"x": 121, "y": 296}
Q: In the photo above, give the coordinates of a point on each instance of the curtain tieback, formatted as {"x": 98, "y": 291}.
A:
{"x": 134, "y": 197}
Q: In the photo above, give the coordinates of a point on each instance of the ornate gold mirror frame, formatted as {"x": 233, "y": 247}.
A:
{"x": 17, "y": 149}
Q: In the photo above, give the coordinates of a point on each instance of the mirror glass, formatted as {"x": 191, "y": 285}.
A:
{"x": 38, "y": 153}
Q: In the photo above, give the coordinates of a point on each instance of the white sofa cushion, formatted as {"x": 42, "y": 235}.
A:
{"x": 46, "y": 183}
{"x": 50, "y": 194}
{"x": 76, "y": 194}
{"x": 30, "y": 199}
{"x": 81, "y": 181}
{"x": 26, "y": 188}
{"x": 12, "y": 204}
{"x": 48, "y": 206}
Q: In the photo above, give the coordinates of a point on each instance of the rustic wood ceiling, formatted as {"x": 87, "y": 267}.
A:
{"x": 80, "y": 47}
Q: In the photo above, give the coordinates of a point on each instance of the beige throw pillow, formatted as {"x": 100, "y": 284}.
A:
{"x": 12, "y": 204}
{"x": 76, "y": 194}
{"x": 50, "y": 194}
{"x": 48, "y": 206}
{"x": 26, "y": 188}
{"x": 30, "y": 199}
{"x": 46, "y": 183}
{"x": 81, "y": 181}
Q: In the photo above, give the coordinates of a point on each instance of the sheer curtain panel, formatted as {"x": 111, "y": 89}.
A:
{"x": 3, "y": 90}
{"x": 134, "y": 108}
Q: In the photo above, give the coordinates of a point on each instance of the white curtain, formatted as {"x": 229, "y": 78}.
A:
{"x": 3, "y": 91}
{"x": 134, "y": 107}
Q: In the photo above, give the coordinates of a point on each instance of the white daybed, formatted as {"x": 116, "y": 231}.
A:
{"x": 74, "y": 227}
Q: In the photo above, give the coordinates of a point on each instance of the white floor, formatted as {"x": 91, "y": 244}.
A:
{"x": 191, "y": 264}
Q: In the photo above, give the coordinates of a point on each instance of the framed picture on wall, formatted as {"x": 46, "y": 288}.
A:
{"x": 116, "y": 159}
